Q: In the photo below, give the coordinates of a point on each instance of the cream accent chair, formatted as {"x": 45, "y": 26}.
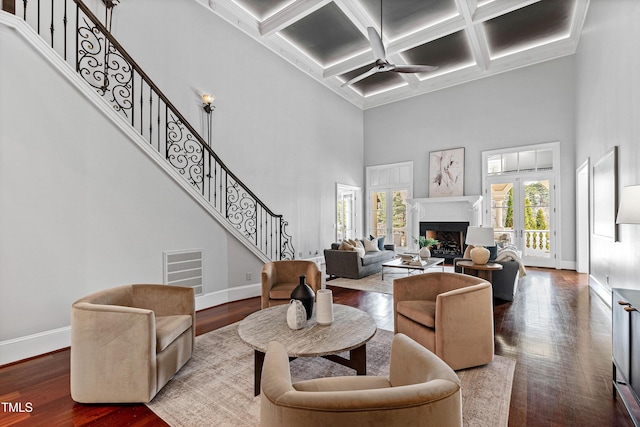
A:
{"x": 421, "y": 390}
{"x": 128, "y": 342}
{"x": 451, "y": 314}
{"x": 279, "y": 278}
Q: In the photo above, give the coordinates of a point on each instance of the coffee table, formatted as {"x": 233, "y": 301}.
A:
{"x": 397, "y": 263}
{"x": 350, "y": 331}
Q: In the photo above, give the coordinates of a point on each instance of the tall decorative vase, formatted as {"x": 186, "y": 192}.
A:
{"x": 304, "y": 293}
{"x": 324, "y": 309}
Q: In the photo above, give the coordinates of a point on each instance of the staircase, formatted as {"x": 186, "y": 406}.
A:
{"x": 87, "y": 45}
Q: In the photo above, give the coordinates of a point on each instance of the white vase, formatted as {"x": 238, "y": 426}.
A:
{"x": 296, "y": 315}
{"x": 425, "y": 252}
{"x": 324, "y": 307}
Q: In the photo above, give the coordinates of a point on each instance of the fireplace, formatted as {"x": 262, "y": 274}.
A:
{"x": 451, "y": 236}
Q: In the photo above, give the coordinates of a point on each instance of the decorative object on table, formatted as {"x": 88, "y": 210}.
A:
{"x": 296, "y": 315}
{"x": 425, "y": 244}
{"x": 304, "y": 293}
{"x": 605, "y": 191}
{"x": 324, "y": 309}
{"x": 480, "y": 237}
{"x": 446, "y": 173}
{"x": 629, "y": 212}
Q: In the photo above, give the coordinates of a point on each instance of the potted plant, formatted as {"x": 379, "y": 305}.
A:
{"x": 425, "y": 244}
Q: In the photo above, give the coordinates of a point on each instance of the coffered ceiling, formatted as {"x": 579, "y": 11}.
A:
{"x": 465, "y": 39}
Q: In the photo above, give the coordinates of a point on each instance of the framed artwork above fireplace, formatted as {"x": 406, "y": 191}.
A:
{"x": 446, "y": 173}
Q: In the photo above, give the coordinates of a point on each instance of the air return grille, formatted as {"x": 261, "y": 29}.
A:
{"x": 184, "y": 268}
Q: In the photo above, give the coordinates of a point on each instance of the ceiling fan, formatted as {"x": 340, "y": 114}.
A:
{"x": 382, "y": 65}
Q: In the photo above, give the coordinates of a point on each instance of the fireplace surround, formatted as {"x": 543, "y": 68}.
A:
{"x": 450, "y": 235}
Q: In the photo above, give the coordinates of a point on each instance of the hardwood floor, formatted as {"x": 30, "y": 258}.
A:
{"x": 557, "y": 330}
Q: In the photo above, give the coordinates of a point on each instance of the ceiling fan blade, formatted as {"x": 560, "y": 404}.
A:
{"x": 364, "y": 75}
{"x": 414, "y": 68}
{"x": 376, "y": 44}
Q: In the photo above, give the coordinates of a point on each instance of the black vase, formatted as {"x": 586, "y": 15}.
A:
{"x": 304, "y": 293}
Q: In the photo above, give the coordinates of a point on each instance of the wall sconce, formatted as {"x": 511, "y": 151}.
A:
{"x": 208, "y": 100}
{"x": 629, "y": 212}
{"x": 208, "y": 107}
{"x": 480, "y": 237}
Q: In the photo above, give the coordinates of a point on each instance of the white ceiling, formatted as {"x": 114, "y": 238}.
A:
{"x": 466, "y": 39}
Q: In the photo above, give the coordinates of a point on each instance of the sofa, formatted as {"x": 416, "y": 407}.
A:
{"x": 420, "y": 390}
{"x": 350, "y": 264}
{"x": 504, "y": 282}
{"x": 128, "y": 342}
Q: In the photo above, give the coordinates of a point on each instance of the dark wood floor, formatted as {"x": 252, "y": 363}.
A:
{"x": 556, "y": 329}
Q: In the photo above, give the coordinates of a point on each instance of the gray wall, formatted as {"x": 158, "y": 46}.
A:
{"x": 608, "y": 114}
{"x": 527, "y": 106}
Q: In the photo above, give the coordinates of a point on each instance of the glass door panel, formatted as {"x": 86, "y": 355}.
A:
{"x": 537, "y": 233}
{"x": 378, "y": 219}
{"x": 346, "y": 213}
{"x": 502, "y": 213}
{"x": 399, "y": 212}
{"x": 388, "y": 216}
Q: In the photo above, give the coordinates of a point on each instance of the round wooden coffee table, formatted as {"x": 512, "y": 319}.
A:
{"x": 350, "y": 331}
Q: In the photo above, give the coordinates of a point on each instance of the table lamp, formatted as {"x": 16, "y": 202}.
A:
{"x": 629, "y": 212}
{"x": 479, "y": 237}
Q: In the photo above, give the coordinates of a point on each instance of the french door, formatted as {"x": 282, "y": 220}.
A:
{"x": 347, "y": 217}
{"x": 388, "y": 216}
{"x": 522, "y": 214}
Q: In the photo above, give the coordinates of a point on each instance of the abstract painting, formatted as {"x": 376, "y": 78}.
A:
{"x": 446, "y": 173}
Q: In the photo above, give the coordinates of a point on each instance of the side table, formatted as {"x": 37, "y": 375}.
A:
{"x": 483, "y": 271}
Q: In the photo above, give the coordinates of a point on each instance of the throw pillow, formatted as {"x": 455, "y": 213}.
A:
{"x": 346, "y": 246}
{"x": 371, "y": 245}
{"x": 380, "y": 241}
{"x": 359, "y": 247}
{"x": 493, "y": 252}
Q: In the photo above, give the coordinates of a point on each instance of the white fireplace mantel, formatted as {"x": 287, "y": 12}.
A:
{"x": 443, "y": 209}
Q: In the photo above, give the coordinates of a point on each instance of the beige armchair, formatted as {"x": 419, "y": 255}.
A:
{"x": 128, "y": 342}
{"x": 421, "y": 390}
{"x": 451, "y": 314}
{"x": 279, "y": 278}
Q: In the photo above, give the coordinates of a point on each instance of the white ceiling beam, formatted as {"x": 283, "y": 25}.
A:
{"x": 475, "y": 34}
{"x": 358, "y": 15}
{"x": 290, "y": 14}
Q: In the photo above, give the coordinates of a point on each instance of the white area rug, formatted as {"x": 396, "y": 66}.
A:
{"x": 216, "y": 386}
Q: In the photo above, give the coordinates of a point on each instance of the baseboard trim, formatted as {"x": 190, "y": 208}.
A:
{"x": 224, "y": 296}
{"x": 21, "y": 348}
{"x": 601, "y": 290}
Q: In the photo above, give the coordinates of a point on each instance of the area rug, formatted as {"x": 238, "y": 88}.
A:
{"x": 374, "y": 283}
{"x": 216, "y": 386}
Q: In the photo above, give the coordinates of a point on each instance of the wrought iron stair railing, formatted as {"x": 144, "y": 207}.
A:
{"x": 105, "y": 65}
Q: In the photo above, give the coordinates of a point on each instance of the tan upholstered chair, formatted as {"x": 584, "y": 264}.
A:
{"x": 421, "y": 390}
{"x": 279, "y": 278}
{"x": 128, "y": 342}
{"x": 451, "y": 314}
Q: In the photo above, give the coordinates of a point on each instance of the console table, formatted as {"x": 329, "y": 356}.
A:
{"x": 626, "y": 347}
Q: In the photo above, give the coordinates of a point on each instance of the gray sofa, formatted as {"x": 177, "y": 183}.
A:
{"x": 348, "y": 264}
{"x": 505, "y": 281}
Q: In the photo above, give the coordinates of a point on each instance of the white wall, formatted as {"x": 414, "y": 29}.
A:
{"x": 608, "y": 114}
{"x": 526, "y": 106}
{"x": 83, "y": 208}
{"x": 286, "y": 136}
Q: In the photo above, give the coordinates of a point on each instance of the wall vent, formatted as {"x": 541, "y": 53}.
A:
{"x": 184, "y": 268}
